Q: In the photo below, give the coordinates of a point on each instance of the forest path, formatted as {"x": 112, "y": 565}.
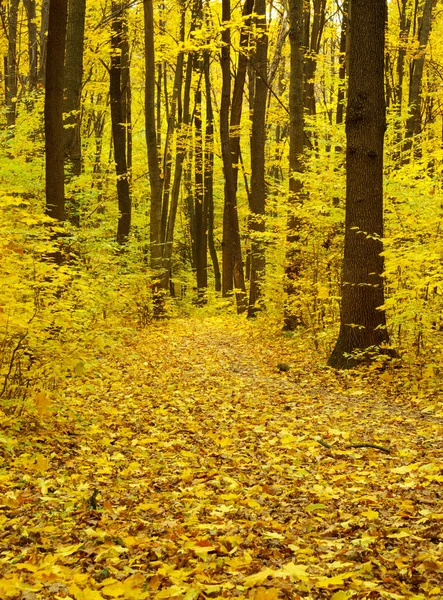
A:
{"x": 194, "y": 470}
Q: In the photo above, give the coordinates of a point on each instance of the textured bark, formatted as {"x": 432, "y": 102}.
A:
{"x": 413, "y": 123}
{"x": 54, "y": 147}
{"x": 343, "y": 62}
{"x": 118, "y": 121}
{"x": 362, "y": 323}
{"x": 11, "y": 74}
{"x": 232, "y": 269}
{"x": 43, "y": 41}
{"x": 209, "y": 173}
{"x": 32, "y": 43}
{"x": 292, "y": 316}
{"x": 151, "y": 143}
{"x": 405, "y": 28}
{"x": 257, "y": 197}
{"x": 315, "y": 33}
{"x": 239, "y": 84}
{"x": 73, "y": 85}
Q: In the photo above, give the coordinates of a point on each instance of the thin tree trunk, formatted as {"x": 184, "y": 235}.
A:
{"x": 43, "y": 41}
{"x": 11, "y": 75}
{"x": 292, "y": 315}
{"x": 118, "y": 113}
{"x": 32, "y": 43}
{"x": 209, "y": 173}
{"x": 153, "y": 154}
{"x": 316, "y": 32}
{"x": 54, "y": 147}
{"x": 342, "y": 63}
{"x": 232, "y": 259}
{"x": 362, "y": 321}
{"x": 413, "y": 123}
{"x": 257, "y": 197}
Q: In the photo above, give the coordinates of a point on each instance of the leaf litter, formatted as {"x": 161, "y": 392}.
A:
{"x": 186, "y": 464}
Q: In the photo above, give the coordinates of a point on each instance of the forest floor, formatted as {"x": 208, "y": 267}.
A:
{"x": 186, "y": 465}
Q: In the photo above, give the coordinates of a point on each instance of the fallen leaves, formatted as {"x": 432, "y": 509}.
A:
{"x": 208, "y": 479}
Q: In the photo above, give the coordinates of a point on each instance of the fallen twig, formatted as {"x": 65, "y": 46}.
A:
{"x": 382, "y": 448}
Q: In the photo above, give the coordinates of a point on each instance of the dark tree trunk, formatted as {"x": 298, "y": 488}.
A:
{"x": 11, "y": 75}
{"x": 342, "y": 63}
{"x": 413, "y": 123}
{"x": 54, "y": 132}
{"x": 73, "y": 85}
{"x": 232, "y": 259}
{"x": 405, "y": 27}
{"x": 153, "y": 154}
{"x": 362, "y": 322}
{"x": 310, "y": 65}
{"x": 200, "y": 206}
{"x": 209, "y": 173}
{"x": 43, "y": 39}
{"x": 293, "y": 317}
{"x": 257, "y": 197}
{"x": 32, "y": 43}
{"x": 118, "y": 114}
{"x": 239, "y": 84}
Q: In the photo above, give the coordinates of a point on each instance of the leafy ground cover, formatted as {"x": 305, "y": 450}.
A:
{"x": 186, "y": 464}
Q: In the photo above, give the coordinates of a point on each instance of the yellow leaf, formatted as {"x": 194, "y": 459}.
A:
{"x": 340, "y": 596}
{"x": 257, "y": 578}
{"x": 84, "y": 594}
{"x": 266, "y": 593}
{"x": 323, "y": 293}
{"x": 42, "y": 403}
{"x": 405, "y": 469}
{"x": 114, "y": 590}
{"x": 253, "y": 504}
{"x": 68, "y": 550}
{"x": 370, "y": 514}
{"x": 290, "y": 569}
{"x": 336, "y": 581}
{"x": 41, "y": 463}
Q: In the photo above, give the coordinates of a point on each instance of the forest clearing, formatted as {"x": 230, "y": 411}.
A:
{"x": 186, "y": 464}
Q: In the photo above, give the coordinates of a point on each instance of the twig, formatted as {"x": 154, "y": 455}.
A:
{"x": 322, "y": 443}
{"x": 382, "y": 448}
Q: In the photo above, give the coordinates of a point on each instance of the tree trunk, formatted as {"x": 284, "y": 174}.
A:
{"x": 200, "y": 206}
{"x": 54, "y": 132}
{"x": 363, "y": 325}
{"x": 257, "y": 197}
{"x": 342, "y": 63}
{"x": 32, "y": 43}
{"x": 11, "y": 75}
{"x": 153, "y": 155}
{"x": 413, "y": 123}
{"x": 118, "y": 113}
{"x": 73, "y": 85}
{"x": 292, "y": 314}
{"x": 43, "y": 39}
{"x": 405, "y": 27}
{"x": 209, "y": 173}
{"x": 232, "y": 259}
{"x": 310, "y": 65}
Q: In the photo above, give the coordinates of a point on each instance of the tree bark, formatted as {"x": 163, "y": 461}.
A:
{"x": 292, "y": 313}
{"x": 209, "y": 173}
{"x": 232, "y": 258}
{"x": 310, "y": 65}
{"x": 342, "y": 63}
{"x": 118, "y": 122}
{"x": 363, "y": 330}
{"x": 73, "y": 85}
{"x": 43, "y": 41}
{"x": 257, "y": 197}
{"x": 11, "y": 75}
{"x": 155, "y": 179}
{"x": 32, "y": 43}
{"x": 413, "y": 123}
{"x": 54, "y": 132}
